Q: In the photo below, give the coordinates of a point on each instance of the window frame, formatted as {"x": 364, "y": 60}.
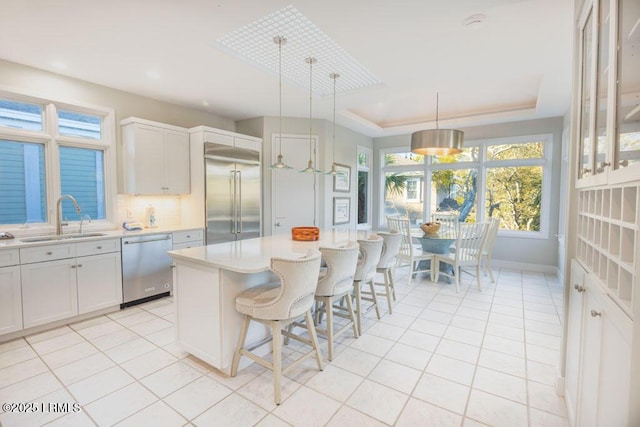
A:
{"x": 368, "y": 152}
{"x": 51, "y": 141}
{"x": 482, "y": 165}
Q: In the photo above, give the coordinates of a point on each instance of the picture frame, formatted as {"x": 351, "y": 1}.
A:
{"x": 341, "y": 210}
{"x": 342, "y": 181}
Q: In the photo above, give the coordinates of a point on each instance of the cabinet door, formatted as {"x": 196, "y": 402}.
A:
{"x": 145, "y": 160}
{"x": 49, "y": 292}
{"x": 574, "y": 337}
{"x": 11, "y": 300}
{"x": 177, "y": 176}
{"x": 99, "y": 282}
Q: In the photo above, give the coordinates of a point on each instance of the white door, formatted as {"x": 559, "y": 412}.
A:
{"x": 293, "y": 194}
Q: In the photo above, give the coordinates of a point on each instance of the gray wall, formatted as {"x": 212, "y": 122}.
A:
{"x": 346, "y": 153}
{"x": 510, "y": 250}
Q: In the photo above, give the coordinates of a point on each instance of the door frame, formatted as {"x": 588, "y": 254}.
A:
{"x": 274, "y": 154}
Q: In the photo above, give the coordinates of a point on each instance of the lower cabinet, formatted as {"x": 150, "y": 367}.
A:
{"x": 99, "y": 279}
{"x": 49, "y": 291}
{"x": 62, "y": 288}
{"x": 10, "y": 300}
{"x": 185, "y": 239}
{"x": 598, "y": 355}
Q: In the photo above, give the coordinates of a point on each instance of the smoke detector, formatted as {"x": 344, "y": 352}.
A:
{"x": 474, "y": 21}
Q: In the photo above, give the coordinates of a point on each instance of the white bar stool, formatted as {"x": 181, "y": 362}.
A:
{"x": 334, "y": 287}
{"x": 277, "y": 305}
{"x": 370, "y": 250}
{"x": 388, "y": 258}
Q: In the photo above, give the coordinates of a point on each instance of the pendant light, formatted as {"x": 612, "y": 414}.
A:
{"x": 280, "y": 164}
{"x": 333, "y": 170}
{"x": 310, "y": 169}
{"x": 437, "y": 142}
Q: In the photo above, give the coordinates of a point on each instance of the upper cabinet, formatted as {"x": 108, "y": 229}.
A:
{"x": 155, "y": 157}
{"x": 609, "y": 105}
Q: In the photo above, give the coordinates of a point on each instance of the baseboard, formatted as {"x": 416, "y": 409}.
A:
{"x": 540, "y": 268}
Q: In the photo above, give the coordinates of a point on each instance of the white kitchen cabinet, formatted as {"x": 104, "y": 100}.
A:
{"x": 99, "y": 275}
{"x": 49, "y": 291}
{"x": 598, "y": 355}
{"x": 80, "y": 278}
{"x": 11, "y": 300}
{"x": 184, "y": 239}
{"x": 155, "y": 158}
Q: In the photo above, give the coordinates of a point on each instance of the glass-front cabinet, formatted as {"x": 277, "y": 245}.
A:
{"x": 609, "y": 105}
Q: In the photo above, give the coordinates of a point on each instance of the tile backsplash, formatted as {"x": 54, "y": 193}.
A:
{"x": 132, "y": 208}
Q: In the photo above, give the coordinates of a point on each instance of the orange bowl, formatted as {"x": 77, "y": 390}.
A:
{"x": 305, "y": 234}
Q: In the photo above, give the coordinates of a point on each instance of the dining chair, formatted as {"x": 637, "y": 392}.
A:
{"x": 487, "y": 249}
{"x": 370, "y": 250}
{"x": 468, "y": 252}
{"x": 409, "y": 252}
{"x": 334, "y": 286}
{"x": 448, "y": 221}
{"x": 277, "y": 305}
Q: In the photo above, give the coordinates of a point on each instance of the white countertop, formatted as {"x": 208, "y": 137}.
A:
{"x": 107, "y": 234}
{"x": 254, "y": 255}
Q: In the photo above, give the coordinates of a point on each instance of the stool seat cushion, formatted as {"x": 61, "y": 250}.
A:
{"x": 262, "y": 302}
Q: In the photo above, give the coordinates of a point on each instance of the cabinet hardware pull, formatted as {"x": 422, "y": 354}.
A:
{"x": 49, "y": 253}
{"x": 188, "y": 237}
{"x": 98, "y": 247}
{"x": 595, "y": 313}
{"x": 604, "y": 164}
{"x": 73, "y": 266}
{"x": 579, "y": 288}
{"x": 79, "y": 265}
{"x": 623, "y": 163}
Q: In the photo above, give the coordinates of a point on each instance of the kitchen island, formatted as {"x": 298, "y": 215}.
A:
{"x": 208, "y": 279}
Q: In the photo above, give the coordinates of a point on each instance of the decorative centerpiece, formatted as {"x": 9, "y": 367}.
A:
{"x": 305, "y": 234}
{"x": 430, "y": 227}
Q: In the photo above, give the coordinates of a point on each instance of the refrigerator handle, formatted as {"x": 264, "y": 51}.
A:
{"x": 234, "y": 224}
{"x": 239, "y": 175}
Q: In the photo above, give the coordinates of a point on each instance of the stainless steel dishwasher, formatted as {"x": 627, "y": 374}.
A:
{"x": 146, "y": 268}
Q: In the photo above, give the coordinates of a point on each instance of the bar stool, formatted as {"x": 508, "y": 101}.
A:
{"x": 277, "y": 305}
{"x": 334, "y": 287}
{"x": 370, "y": 250}
{"x": 388, "y": 258}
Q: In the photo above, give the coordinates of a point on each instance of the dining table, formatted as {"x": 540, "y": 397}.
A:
{"x": 437, "y": 243}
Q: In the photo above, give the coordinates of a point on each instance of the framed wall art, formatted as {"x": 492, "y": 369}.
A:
{"x": 342, "y": 181}
{"x": 341, "y": 208}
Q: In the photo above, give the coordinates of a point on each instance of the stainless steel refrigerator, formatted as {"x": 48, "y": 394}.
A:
{"x": 233, "y": 193}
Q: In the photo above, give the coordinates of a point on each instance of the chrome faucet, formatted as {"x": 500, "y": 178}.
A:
{"x": 59, "y": 210}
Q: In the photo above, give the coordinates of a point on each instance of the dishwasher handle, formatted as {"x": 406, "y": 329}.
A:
{"x": 131, "y": 242}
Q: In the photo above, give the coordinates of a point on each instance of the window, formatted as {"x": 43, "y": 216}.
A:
{"x": 403, "y": 185}
{"x": 22, "y": 183}
{"x": 20, "y": 115}
{"x": 41, "y": 143}
{"x": 82, "y": 175}
{"x": 364, "y": 185}
{"x": 506, "y": 178}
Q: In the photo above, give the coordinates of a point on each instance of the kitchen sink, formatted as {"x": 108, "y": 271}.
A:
{"x": 61, "y": 237}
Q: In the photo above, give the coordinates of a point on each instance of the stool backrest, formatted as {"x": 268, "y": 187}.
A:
{"x": 390, "y": 248}
{"x": 298, "y": 280}
{"x": 341, "y": 266}
{"x": 370, "y": 250}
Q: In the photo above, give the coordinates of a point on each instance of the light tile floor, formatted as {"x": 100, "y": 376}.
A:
{"x": 472, "y": 359}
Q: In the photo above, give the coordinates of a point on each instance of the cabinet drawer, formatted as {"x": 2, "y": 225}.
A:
{"x": 96, "y": 247}
{"x": 9, "y": 257}
{"x": 47, "y": 253}
{"x": 188, "y": 236}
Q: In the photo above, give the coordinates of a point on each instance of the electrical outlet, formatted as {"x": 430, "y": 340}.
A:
{"x": 129, "y": 213}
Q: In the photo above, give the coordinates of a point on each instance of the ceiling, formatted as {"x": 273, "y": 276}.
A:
{"x": 516, "y": 65}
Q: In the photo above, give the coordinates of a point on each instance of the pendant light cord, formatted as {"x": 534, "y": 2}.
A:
{"x": 280, "y": 41}
{"x": 437, "y": 104}
{"x": 335, "y": 77}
